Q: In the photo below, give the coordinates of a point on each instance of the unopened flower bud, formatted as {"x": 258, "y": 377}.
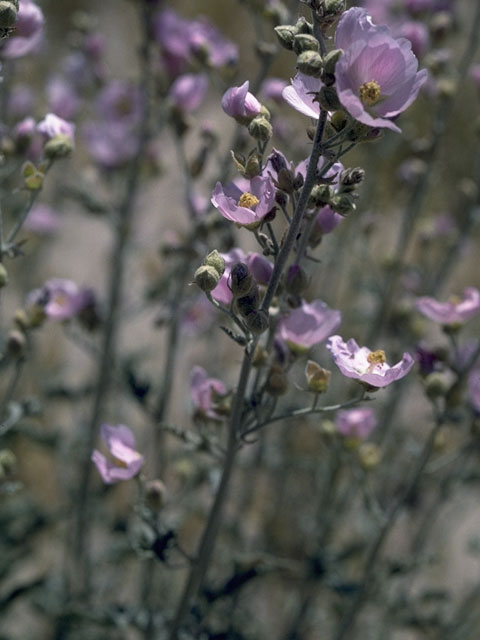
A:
{"x": 277, "y": 382}
{"x": 343, "y": 204}
{"x": 240, "y": 280}
{"x": 7, "y": 463}
{"x": 310, "y": 63}
{"x": 16, "y": 343}
{"x": 215, "y": 260}
{"x": 8, "y": 15}
{"x": 330, "y": 61}
{"x": 335, "y": 7}
{"x": 249, "y": 302}
{"x": 260, "y": 129}
{"x": 296, "y": 280}
{"x": 59, "y": 146}
{"x": 33, "y": 177}
{"x": 3, "y": 276}
{"x": 285, "y": 180}
{"x": 207, "y": 278}
{"x": 321, "y": 195}
{"x": 286, "y": 34}
{"x": 305, "y": 42}
{"x": 328, "y": 99}
{"x": 437, "y": 384}
{"x": 257, "y": 321}
{"x": 303, "y": 26}
{"x": 327, "y": 428}
{"x": 155, "y": 493}
{"x": 260, "y": 356}
{"x": 369, "y": 455}
{"x": 350, "y": 178}
{"x": 318, "y": 378}
{"x": 339, "y": 120}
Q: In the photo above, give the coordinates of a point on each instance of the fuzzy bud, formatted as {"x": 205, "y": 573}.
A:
{"x": 59, "y": 146}
{"x": 296, "y": 280}
{"x": 305, "y": 42}
{"x": 437, "y": 384}
{"x": 206, "y": 278}
{"x": 351, "y": 178}
{"x": 260, "y": 129}
{"x": 286, "y": 35}
{"x": 7, "y": 463}
{"x": 339, "y": 120}
{"x": 328, "y": 99}
{"x": 369, "y": 455}
{"x": 248, "y": 303}
{"x": 321, "y": 195}
{"x": 155, "y": 492}
{"x": 277, "y": 382}
{"x": 3, "y": 276}
{"x": 318, "y": 378}
{"x": 16, "y": 343}
{"x": 240, "y": 280}
{"x": 330, "y": 61}
{"x": 335, "y": 7}
{"x": 310, "y": 63}
{"x": 343, "y": 204}
{"x": 8, "y": 15}
{"x": 215, "y": 260}
{"x": 303, "y": 26}
{"x": 257, "y": 321}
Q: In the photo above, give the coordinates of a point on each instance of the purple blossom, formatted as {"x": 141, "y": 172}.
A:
{"x": 111, "y": 144}
{"x": 28, "y": 33}
{"x": 124, "y": 461}
{"x": 474, "y": 389}
{"x": 43, "y": 220}
{"x": 120, "y": 102}
{"x": 357, "y": 423}
{"x": 207, "y": 39}
{"x": 418, "y": 35}
{"x": 25, "y": 128}
{"x": 308, "y": 325}
{"x": 239, "y": 103}
{"x": 247, "y": 208}
{"x": 62, "y": 98}
{"x": 453, "y": 312}
{"x": 203, "y": 390}
{"x": 52, "y": 126}
{"x": 325, "y": 221}
{"x": 376, "y": 77}
{"x": 301, "y": 94}
{"x": 260, "y": 267}
{"x": 61, "y": 299}
{"x": 188, "y": 91}
{"x": 364, "y": 365}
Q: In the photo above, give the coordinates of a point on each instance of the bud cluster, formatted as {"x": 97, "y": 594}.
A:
{"x": 208, "y": 275}
{"x": 246, "y": 295}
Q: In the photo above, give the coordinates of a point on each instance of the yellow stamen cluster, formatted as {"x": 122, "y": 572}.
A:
{"x": 377, "y": 357}
{"x": 369, "y": 93}
{"x": 248, "y": 200}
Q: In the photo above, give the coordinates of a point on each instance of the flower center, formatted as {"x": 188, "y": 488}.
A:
{"x": 61, "y": 299}
{"x": 369, "y": 92}
{"x": 248, "y": 200}
{"x": 377, "y": 357}
{"x": 455, "y": 300}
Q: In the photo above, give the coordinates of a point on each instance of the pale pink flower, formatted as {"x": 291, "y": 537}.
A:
{"x": 452, "y": 312}
{"x": 308, "y": 325}
{"x": 124, "y": 461}
{"x": 357, "y": 423}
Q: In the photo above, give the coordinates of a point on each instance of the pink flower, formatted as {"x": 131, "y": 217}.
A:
{"x": 272, "y": 89}
{"x": 42, "y": 220}
{"x": 357, "y": 423}
{"x": 453, "y": 312}
{"x": 247, "y": 208}
{"x": 52, "y": 126}
{"x": 125, "y": 461}
{"x": 260, "y": 267}
{"x": 203, "y": 390}
{"x": 28, "y": 33}
{"x": 188, "y": 91}
{"x": 418, "y": 35}
{"x": 61, "y": 299}
{"x": 222, "y": 292}
{"x": 240, "y": 104}
{"x": 308, "y": 325}
{"x": 364, "y": 365}
{"x": 376, "y": 77}
{"x": 301, "y": 93}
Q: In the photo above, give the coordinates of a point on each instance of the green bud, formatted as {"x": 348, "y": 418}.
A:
{"x": 260, "y": 129}
{"x": 318, "y": 378}
{"x": 257, "y": 321}
{"x": 343, "y": 203}
{"x": 330, "y": 61}
{"x": 59, "y": 146}
{"x": 351, "y": 178}
{"x": 277, "y": 382}
{"x": 305, "y": 42}
{"x": 248, "y": 303}
{"x": 369, "y": 455}
{"x": 321, "y": 195}
{"x": 206, "y": 278}
{"x": 437, "y": 384}
{"x": 215, "y": 260}
{"x": 8, "y": 15}
{"x": 339, "y": 120}
{"x": 310, "y": 63}
{"x": 155, "y": 493}
{"x": 7, "y": 463}
{"x": 32, "y": 176}
{"x": 335, "y": 7}
{"x": 328, "y": 99}
{"x": 16, "y": 343}
{"x": 303, "y": 26}
{"x": 3, "y": 276}
{"x": 286, "y": 34}
{"x": 285, "y": 180}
